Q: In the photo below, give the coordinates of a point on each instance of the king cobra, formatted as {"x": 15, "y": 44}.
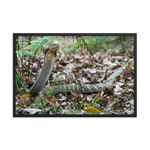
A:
{"x": 49, "y": 60}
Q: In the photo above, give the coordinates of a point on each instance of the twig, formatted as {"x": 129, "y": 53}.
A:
{"x": 89, "y": 50}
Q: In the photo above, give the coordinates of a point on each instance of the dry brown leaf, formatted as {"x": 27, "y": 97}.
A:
{"x": 112, "y": 66}
{"x": 75, "y": 71}
{"x": 127, "y": 72}
{"x": 57, "y": 96}
{"x": 51, "y": 100}
{"x": 62, "y": 62}
{"x": 107, "y": 62}
{"x": 85, "y": 59}
{"x": 61, "y": 68}
{"x": 118, "y": 78}
{"x": 75, "y": 94}
{"x": 111, "y": 97}
{"x": 104, "y": 76}
{"x": 70, "y": 79}
{"x": 109, "y": 92}
{"x": 77, "y": 74}
{"x": 110, "y": 72}
{"x": 132, "y": 64}
{"x": 123, "y": 91}
{"x": 19, "y": 90}
{"x": 107, "y": 113}
{"x": 121, "y": 76}
{"x": 70, "y": 97}
{"x": 117, "y": 57}
{"x": 69, "y": 67}
{"x": 100, "y": 72}
{"x": 104, "y": 99}
{"x": 94, "y": 81}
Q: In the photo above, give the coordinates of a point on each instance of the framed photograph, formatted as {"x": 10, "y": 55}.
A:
{"x": 74, "y": 75}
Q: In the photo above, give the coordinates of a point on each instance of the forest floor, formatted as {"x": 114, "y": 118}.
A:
{"x": 79, "y": 67}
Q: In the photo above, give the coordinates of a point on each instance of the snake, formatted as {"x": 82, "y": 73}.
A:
{"x": 50, "y": 51}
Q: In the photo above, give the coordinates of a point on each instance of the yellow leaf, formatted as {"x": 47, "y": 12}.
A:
{"x": 106, "y": 55}
{"x": 25, "y": 95}
{"x": 121, "y": 76}
{"x": 47, "y": 85}
{"x": 92, "y": 109}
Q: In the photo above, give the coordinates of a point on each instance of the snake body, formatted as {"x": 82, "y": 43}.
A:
{"x": 49, "y": 60}
{"x": 48, "y": 64}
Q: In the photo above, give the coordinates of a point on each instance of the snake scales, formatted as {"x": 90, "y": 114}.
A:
{"x": 49, "y": 60}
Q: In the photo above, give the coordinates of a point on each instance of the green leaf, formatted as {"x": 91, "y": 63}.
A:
{"x": 26, "y": 85}
{"x": 96, "y": 100}
{"x": 30, "y": 54}
{"x": 49, "y": 37}
{"x": 19, "y": 53}
{"x": 73, "y": 104}
{"x": 32, "y": 47}
{"x": 43, "y": 40}
{"x": 34, "y": 42}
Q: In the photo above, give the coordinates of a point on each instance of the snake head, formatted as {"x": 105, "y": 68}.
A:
{"x": 52, "y": 47}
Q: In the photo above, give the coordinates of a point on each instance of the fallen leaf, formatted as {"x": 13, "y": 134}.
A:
{"x": 19, "y": 90}
{"x": 94, "y": 81}
{"x": 131, "y": 102}
{"x": 51, "y": 100}
{"x": 85, "y": 59}
{"x": 100, "y": 72}
{"x": 109, "y": 92}
{"x": 121, "y": 76}
{"x": 117, "y": 57}
{"x": 129, "y": 112}
{"x": 92, "y": 70}
{"x": 63, "y": 103}
{"x": 69, "y": 67}
{"x": 75, "y": 94}
{"x": 106, "y": 62}
{"x": 132, "y": 65}
{"x": 25, "y": 95}
{"x": 58, "y": 96}
{"x": 70, "y": 78}
{"x": 61, "y": 68}
{"x": 127, "y": 72}
{"x": 92, "y": 109}
{"x": 89, "y": 97}
{"x": 105, "y": 55}
{"x": 77, "y": 74}
{"x": 31, "y": 110}
{"x": 107, "y": 113}
{"x": 105, "y": 99}
{"x": 47, "y": 85}
{"x": 123, "y": 91}
{"x": 62, "y": 62}
{"x": 112, "y": 66}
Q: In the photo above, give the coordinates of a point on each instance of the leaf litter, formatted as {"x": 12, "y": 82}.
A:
{"x": 80, "y": 68}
